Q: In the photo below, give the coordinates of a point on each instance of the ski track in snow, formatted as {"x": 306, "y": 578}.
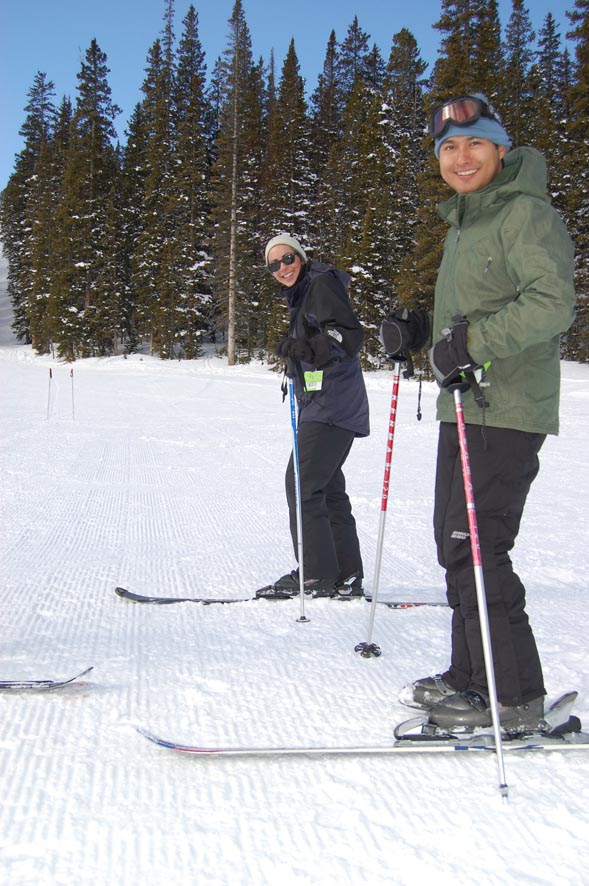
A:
{"x": 169, "y": 479}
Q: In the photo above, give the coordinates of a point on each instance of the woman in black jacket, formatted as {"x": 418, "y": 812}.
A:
{"x": 321, "y": 352}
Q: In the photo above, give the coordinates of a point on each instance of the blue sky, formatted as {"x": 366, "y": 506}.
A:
{"x": 53, "y": 35}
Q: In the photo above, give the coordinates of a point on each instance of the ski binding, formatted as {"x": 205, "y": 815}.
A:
{"x": 558, "y": 722}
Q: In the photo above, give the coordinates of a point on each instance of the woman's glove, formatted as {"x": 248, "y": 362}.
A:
{"x": 316, "y": 350}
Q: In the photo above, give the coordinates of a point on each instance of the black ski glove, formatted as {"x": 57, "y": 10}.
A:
{"x": 316, "y": 350}
{"x": 294, "y": 349}
{"x": 449, "y": 358}
{"x": 404, "y": 333}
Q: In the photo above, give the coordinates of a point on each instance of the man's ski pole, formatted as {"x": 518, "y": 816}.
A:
{"x": 297, "y": 485}
{"x": 368, "y": 648}
{"x": 457, "y": 390}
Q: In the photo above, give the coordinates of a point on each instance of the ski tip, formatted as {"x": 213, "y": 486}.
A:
{"x": 149, "y": 735}
{"x": 83, "y": 673}
{"x": 40, "y": 685}
{"x": 162, "y": 742}
{"x": 567, "y": 698}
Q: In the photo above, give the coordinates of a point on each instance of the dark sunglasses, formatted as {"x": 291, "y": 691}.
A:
{"x": 464, "y": 110}
{"x": 287, "y": 259}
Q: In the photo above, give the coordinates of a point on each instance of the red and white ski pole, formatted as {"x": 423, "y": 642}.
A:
{"x": 368, "y": 649}
{"x": 457, "y": 390}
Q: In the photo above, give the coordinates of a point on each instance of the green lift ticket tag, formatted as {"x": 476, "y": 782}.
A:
{"x": 314, "y": 380}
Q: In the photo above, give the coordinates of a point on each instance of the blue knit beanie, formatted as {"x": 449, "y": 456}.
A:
{"x": 484, "y": 127}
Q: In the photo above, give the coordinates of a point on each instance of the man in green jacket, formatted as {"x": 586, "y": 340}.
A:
{"x": 503, "y": 297}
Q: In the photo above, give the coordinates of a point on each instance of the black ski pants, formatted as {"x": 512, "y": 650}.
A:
{"x": 503, "y": 464}
{"x": 330, "y": 542}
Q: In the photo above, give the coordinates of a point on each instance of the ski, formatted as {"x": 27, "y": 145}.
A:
{"x": 160, "y": 601}
{"x": 484, "y": 742}
{"x": 560, "y": 731}
{"x": 209, "y": 601}
{"x": 38, "y": 685}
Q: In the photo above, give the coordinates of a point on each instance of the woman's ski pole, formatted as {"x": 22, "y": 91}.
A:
{"x": 368, "y": 648}
{"x": 457, "y": 390}
{"x": 297, "y": 485}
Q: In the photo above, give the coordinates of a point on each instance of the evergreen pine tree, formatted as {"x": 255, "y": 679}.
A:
{"x": 154, "y": 263}
{"x": 326, "y": 108}
{"x": 75, "y": 304}
{"x": 42, "y": 201}
{"x": 325, "y": 129}
{"x": 288, "y": 174}
{"x": 577, "y": 163}
{"x": 548, "y": 76}
{"x": 134, "y": 172}
{"x": 343, "y": 198}
{"x": 190, "y": 186}
{"x": 354, "y": 60}
{"x": 393, "y": 159}
{"x": 19, "y": 207}
{"x": 462, "y": 24}
{"x": 551, "y": 65}
{"x": 111, "y": 277}
{"x": 232, "y": 178}
{"x": 517, "y": 98}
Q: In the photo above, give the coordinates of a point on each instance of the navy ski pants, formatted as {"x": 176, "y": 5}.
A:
{"x": 330, "y": 542}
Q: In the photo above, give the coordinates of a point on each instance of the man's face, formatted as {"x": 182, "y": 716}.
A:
{"x": 286, "y": 275}
{"x": 468, "y": 163}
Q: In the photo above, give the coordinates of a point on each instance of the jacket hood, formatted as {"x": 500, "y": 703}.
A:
{"x": 524, "y": 172}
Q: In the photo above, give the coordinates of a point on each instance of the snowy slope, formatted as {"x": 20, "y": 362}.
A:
{"x": 168, "y": 477}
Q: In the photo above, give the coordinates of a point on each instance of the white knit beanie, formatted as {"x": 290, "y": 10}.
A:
{"x": 285, "y": 240}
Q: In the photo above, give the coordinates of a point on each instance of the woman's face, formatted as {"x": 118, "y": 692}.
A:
{"x": 287, "y": 274}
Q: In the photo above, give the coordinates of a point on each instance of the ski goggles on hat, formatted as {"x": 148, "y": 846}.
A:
{"x": 462, "y": 112}
{"x": 286, "y": 259}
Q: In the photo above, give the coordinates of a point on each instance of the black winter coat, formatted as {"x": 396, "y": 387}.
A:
{"x": 334, "y": 392}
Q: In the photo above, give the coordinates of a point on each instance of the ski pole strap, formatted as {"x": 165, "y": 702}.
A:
{"x": 409, "y": 371}
{"x": 467, "y": 381}
{"x": 284, "y": 384}
{"x": 292, "y": 368}
{"x": 475, "y": 387}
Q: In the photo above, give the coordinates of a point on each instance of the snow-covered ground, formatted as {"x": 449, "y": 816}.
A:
{"x": 168, "y": 477}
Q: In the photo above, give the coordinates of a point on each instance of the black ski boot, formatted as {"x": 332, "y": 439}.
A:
{"x": 289, "y": 586}
{"x": 345, "y": 589}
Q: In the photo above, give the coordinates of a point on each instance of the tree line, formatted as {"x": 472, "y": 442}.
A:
{"x": 159, "y": 241}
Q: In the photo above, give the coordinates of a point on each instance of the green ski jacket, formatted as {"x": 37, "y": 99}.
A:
{"x": 508, "y": 267}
